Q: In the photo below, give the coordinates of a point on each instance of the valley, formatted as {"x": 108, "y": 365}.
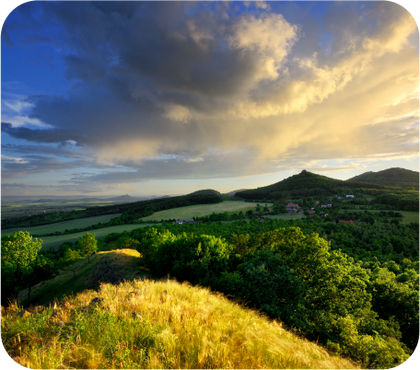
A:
{"x": 315, "y": 254}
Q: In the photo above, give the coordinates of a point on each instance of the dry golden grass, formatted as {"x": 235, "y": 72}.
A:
{"x": 148, "y": 324}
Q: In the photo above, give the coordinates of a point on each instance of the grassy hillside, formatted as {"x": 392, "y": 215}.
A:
{"x": 304, "y": 184}
{"x": 106, "y": 267}
{"x": 391, "y": 177}
{"x": 152, "y": 324}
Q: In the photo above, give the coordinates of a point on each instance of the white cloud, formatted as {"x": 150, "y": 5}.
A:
{"x": 5, "y": 158}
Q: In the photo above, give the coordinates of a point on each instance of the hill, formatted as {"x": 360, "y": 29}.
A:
{"x": 205, "y": 191}
{"x": 124, "y": 198}
{"x": 105, "y": 267}
{"x": 153, "y": 324}
{"x": 304, "y": 184}
{"x": 391, "y": 177}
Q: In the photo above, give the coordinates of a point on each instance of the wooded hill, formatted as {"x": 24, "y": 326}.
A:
{"x": 391, "y": 177}
{"x": 307, "y": 184}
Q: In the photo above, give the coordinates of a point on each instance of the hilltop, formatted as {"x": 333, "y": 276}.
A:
{"x": 143, "y": 323}
{"x": 304, "y": 184}
{"x": 206, "y": 191}
{"x": 391, "y": 177}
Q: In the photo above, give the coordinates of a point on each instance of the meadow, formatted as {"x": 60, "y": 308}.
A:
{"x": 201, "y": 210}
{"x": 62, "y": 226}
{"x": 408, "y": 216}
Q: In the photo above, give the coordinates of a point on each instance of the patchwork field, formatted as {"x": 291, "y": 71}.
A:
{"x": 201, "y": 210}
{"x": 62, "y": 226}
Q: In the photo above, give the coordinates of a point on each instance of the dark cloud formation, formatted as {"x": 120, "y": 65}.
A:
{"x": 41, "y": 135}
{"x": 172, "y": 90}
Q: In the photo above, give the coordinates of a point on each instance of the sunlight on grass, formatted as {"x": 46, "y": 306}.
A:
{"x": 147, "y": 324}
{"x": 201, "y": 210}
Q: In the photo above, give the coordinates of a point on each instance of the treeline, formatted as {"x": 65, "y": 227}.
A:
{"x": 130, "y": 211}
{"x": 405, "y": 202}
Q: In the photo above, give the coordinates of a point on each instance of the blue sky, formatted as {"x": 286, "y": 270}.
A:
{"x": 153, "y": 98}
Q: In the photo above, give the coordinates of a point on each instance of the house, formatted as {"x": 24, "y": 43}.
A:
{"x": 326, "y": 205}
{"x": 292, "y": 207}
{"x": 190, "y": 221}
{"x": 349, "y": 196}
{"x": 316, "y": 202}
{"x": 311, "y": 212}
{"x": 346, "y": 222}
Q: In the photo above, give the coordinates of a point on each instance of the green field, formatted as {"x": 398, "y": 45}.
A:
{"x": 408, "y": 216}
{"x": 201, "y": 210}
{"x": 55, "y": 241}
{"x": 62, "y": 226}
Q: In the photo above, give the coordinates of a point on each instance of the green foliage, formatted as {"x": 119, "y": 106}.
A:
{"x": 86, "y": 245}
{"x": 391, "y": 177}
{"x": 271, "y": 285}
{"x": 18, "y": 254}
{"x": 193, "y": 258}
{"x": 298, "y": 278}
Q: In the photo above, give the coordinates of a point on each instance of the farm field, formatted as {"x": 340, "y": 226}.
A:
{"x": 201, "y": 210}
{"x": 17, "y": 209}
{"x": 56, "y": 241}
{"x": 408, "y": 216}
{"x": 62, "y": 226}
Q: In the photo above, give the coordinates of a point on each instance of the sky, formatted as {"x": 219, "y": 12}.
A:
{"x": 165, "y": 98}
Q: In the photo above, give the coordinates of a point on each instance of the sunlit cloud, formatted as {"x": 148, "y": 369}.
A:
{"x": 187, "y": 90}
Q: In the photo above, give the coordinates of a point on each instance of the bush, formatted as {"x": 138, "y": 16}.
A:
{"x": 197, "y": 259}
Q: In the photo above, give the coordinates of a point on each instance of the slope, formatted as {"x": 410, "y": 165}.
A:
{"x": 390, "y": 177}
{"x": 149, "y": 324}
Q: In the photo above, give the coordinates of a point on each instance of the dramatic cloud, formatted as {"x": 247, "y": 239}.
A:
{"x": 181, "y": 90}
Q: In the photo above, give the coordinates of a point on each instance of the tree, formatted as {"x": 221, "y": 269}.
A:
{"x": 19, "y": 252}
{"x": 42, "y": 269}
{"x": 87, "y": 244}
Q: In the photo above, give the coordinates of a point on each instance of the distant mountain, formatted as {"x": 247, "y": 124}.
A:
{"x": 304, "y": 184}
{"x": 205, "y": 191}
{"x": 124, "y": 198}
{"x": 233, "y": 192}
{"x": 391, "y": 177}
